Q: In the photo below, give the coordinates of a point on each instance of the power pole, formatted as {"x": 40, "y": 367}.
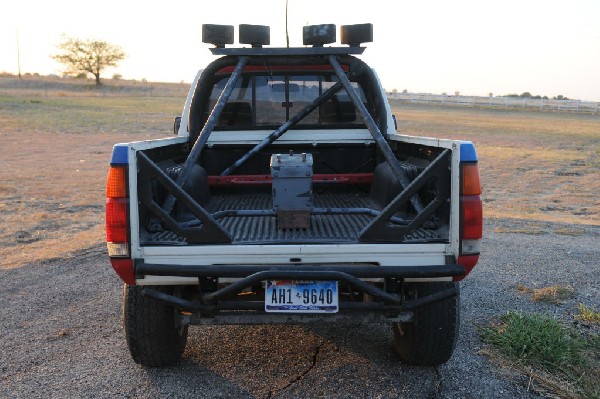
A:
{"x": 18, "y": 54}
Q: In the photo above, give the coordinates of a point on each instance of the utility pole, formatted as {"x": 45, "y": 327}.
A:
{"x": 18, "y": 54}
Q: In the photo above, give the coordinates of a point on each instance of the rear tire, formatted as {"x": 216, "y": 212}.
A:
{"x": 430, "y": 338}
{"x": 154, "y": 337}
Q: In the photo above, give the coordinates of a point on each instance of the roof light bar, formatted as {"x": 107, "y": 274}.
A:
{"x": 218, "y": 35}
{"x": 255, "y": 35}
{"x": 354, "y": 35}
{"x": 312, "y": 35}
{"x": 318, "y": 35}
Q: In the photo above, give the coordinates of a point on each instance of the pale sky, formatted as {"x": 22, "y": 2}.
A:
{"x": 476, "y": 47}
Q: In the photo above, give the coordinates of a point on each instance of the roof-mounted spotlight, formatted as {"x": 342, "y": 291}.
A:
{"x": 354, "y": 35}
{"x": 318, "y": 35}
{"x": 256, "y": 35}
{"x": 218, "y": 35}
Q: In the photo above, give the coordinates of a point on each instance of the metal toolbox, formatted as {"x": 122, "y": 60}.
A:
{"x": 292, "y": 189}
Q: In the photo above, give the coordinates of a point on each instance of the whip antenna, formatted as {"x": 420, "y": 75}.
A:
{"x": 287, "y": 36}
{"x": 19, "y": 54}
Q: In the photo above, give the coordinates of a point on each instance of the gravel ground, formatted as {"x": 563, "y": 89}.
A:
{"x": 61, "y": 334}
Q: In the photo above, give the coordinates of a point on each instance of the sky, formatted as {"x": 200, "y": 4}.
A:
{"x": 475, "y": 47}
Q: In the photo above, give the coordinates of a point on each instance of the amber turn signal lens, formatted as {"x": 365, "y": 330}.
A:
{"x": 116, "y": 182}
{"x": 470, "y": 179}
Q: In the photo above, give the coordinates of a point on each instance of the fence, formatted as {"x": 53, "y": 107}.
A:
{"x": 498, "y": 102}
{"x": 33, "y": 85}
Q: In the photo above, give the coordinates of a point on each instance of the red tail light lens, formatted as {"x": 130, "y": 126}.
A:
{"x": 472, "y": 217}
{"x": 116, "y": 220}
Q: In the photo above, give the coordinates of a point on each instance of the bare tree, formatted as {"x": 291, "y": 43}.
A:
{"x": 88, "y": 56}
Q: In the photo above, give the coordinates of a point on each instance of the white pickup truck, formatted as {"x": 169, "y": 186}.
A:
{"x": 288, "y": 196}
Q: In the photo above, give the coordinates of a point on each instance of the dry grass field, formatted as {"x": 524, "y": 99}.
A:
{"x": 54, "y": 154}
{"x": 534, "y": 166}
{"x": 55, "y": 147}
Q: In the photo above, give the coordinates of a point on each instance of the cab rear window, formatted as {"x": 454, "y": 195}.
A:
{"x": 267, "y": 101}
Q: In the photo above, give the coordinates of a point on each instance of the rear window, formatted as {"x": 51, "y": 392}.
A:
{"x": 267, "y": 101}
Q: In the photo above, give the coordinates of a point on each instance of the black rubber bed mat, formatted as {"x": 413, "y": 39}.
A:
{"x": 263, "y": 229}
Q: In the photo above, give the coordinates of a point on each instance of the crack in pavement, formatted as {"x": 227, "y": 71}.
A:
{"x": 301, "y": 376}
{"x": 438, "y": 382}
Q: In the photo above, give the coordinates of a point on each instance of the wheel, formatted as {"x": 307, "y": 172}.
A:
{"x": 153, "y": 334}
{"x": 429, "y": 339}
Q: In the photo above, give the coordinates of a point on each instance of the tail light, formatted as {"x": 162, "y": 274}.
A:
{"x": 117, "y": 217}
{"x": 471, "y": 210}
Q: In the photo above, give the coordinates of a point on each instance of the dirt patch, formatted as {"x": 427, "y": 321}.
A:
{"x": 52, "y": 186}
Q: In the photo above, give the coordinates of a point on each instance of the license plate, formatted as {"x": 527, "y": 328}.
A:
{"x": 293, "y": 296}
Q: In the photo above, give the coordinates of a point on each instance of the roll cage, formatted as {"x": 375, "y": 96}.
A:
{"x": 238, "y": 66}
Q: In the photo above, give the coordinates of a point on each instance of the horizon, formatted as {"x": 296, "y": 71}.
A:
{"x": 545, "y": 48}
{"x": 114, "y": 81}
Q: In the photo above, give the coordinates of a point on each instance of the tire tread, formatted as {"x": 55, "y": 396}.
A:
{"x": 152, "y": 336}
{"x": 431, "y": 338}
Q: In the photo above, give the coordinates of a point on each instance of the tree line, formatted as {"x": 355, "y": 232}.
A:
{"x": 536, "y": 97}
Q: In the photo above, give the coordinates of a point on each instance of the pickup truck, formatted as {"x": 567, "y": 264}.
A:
{"x": 288, "y": 196}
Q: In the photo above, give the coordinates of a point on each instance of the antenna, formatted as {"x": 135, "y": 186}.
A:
{"x": 287, "y": 36}
{"x": 18, "y": 54}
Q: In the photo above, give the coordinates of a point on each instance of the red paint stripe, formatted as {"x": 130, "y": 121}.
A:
{"x": 265, "y": 180}
{"x": 286, "y": 68}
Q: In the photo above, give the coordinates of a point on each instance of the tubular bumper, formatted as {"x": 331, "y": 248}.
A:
{"x": 250, "y": 275}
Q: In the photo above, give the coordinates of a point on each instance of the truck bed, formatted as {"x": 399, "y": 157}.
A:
{"x": 263, "y": 229}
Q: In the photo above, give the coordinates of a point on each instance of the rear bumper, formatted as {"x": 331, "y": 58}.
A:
{"x": 212, "y": 307}
{"x": 291, "y": 271}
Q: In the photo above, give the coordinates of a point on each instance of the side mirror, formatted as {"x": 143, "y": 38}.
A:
{"x": 176, "y": 125}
